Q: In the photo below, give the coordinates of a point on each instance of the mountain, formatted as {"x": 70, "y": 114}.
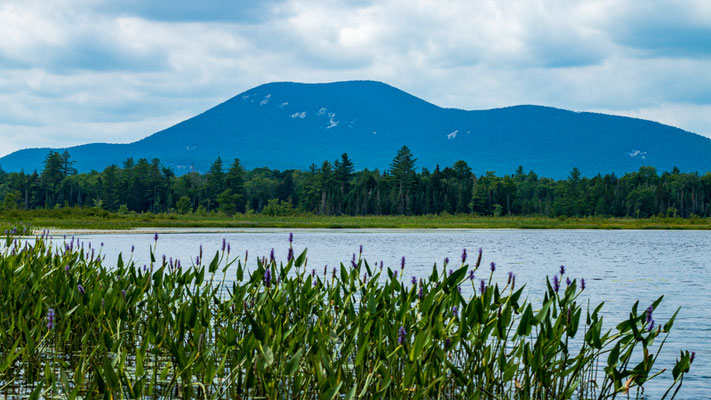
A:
{"x": 291, "y": 125}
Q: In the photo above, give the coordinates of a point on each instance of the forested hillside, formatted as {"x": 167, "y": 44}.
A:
{"x": 335, "y": 188}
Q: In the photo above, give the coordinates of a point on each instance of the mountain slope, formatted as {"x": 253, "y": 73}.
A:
{"x": 291, "y": 125}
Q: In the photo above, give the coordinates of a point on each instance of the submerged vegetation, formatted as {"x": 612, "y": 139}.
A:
{"x": 222, "y": 326}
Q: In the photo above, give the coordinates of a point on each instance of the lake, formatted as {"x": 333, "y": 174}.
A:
{"x": 619, "y": 267}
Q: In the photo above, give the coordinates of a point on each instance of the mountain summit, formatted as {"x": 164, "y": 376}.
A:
{"x": 291, "y": 125}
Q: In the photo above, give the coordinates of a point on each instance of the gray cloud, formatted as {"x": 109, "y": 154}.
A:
{"x": 74, "y": 71}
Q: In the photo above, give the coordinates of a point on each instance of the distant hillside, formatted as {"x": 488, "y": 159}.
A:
{"x": 291, "y": 125}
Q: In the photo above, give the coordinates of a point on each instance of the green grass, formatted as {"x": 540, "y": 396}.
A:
{"x": 76, "y": 218}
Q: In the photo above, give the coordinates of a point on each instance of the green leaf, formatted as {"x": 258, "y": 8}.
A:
{"x": 293, "y": 364}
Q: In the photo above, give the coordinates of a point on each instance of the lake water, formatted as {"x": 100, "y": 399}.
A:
{"x": 619, "y": 267}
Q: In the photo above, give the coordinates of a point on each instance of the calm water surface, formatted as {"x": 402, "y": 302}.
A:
{"x": 619, "y": 267}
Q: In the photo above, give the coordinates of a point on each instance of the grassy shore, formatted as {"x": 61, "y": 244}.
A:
{"x": 93, "y": 219}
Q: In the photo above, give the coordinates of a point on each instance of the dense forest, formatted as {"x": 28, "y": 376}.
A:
{"x": 336, "y": 188}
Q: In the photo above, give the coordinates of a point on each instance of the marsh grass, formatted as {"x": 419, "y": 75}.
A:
{"x": 279, "y": 330}
{"x": 73, "y": 218}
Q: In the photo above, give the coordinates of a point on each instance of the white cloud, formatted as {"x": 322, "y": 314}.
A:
{"x": 74, "y": 71}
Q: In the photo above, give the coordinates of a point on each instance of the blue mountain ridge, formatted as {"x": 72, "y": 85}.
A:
{"x": 288, "y": 125}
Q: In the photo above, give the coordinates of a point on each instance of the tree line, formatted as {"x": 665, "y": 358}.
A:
{"x": 336, "y": 188}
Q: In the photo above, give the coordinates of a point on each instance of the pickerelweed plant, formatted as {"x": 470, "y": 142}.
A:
{"x": 72, "y": 327}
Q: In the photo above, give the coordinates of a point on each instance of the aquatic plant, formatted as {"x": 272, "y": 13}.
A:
{"x": 227, "y": 329}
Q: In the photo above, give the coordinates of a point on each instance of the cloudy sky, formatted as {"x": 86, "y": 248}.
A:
{"x": 77, "y": 71}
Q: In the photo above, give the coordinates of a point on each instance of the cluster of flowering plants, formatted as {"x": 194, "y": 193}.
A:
{"x": 72, "y": 327}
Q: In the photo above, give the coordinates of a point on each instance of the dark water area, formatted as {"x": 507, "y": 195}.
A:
{"x": 619, "y": 268}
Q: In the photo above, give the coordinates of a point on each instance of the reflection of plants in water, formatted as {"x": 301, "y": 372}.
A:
{"x": 73, "y": 327}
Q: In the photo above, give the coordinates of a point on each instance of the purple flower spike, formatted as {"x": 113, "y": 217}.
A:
{"x": 353, "y": 264}
{"x": 401, "y": 334}
{"x": 451, "y": 272}
{"x": 482, "y": 286}
{"x": 291, "y": 237}
{"x": 402, "y": 263}
{"x": 228, "y": 248}
{"x": 290, "y": 255}
{"x": 493, "y": 266}
{"x": 155, "y": 237}
{"x": 567, "y": 281}
{"x": 471, "y": 275}
{"x": 267, "y": 277}
{"x": 414, "y": 281}
{"x": 361, "y": 249}
{"x": 455, "y": 310}
{"x": 395, "y": 274}
{"x": 271, "y": 256}
{"x": 651, "y": 325}
{"x": 582, "y": 284}
{"x": 420, "y": 292}
{"x": 133, "y": 248}
{"x": 510, "y": 277}
{"x": 556, "y": 283}
{"x": 123, "y": 292}
{"x": 224, "y": 244}
{"x": 80, "y": 288}
{"x": 650, "y": 310}
{"x": 381, "y": 264}
{"x": 446, "y": 260}
{"x": 693, "y": 355}
{"x": 459, "y": 289}
{"x": 50, "y": 319}
{"x": 313, "y": 272}
{"x": 562, "y": 270}
{"x": 334, "y": 272}
{"x": 464, "y": 255}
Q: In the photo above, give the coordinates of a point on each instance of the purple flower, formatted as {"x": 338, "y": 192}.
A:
{"x": 133, "y": 248}
{"x": 224, "y": 244}
{"x": 313, "y": 272}
{"x": 455, "y": 310}
{"x": 361, "y": 249}
{"x": 381, "y": 264}
{"x": 271, "y": 256}
{"x": 471, "y": 275}
{"x": 582, "y": 284}
{"x": 123, "y": 292}
{"x": 155, "y": 236}
{"x": 556, "y": 283}
{"x": 291, "y": 237}
{"x": 414, "y": 281}
{"x": 493, "y": 266}
{"x": 395, "y": 274}
{"x": 325, "y": 270}
{"x": 420, "y": 291}
{"x": 290, "y": 254}
{"x": 446, "y": 260}
{"x": 459, "y": 289}
{"x": 402, "y": 263}
{"x": 651, "y": 325}
{"x": 482, "y": 286}
{"x": 50, "y": 319}
{"x": 513, "y": 282}
{"x": 567, "y": 281}
{"x": 228, "y": 248}
{"x": 267, "y": 277}
{"x": 446, "y": 343}
{"x": 510, "y": 277}
{"x": 693, "y": 355}
{"x": 464, "y": 255}
{"x": 650, "y": 309}
{"x": 401, "y": 333}
{"x": 450, "y": 272}
{"x": 562, "y": 270}
{"x": 315, "y": 283}
{"x": 80, "y": 288}
{"x": 334, "y": 272}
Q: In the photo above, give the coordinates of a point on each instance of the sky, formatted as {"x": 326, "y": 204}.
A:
{"x": 79, "y": 71}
